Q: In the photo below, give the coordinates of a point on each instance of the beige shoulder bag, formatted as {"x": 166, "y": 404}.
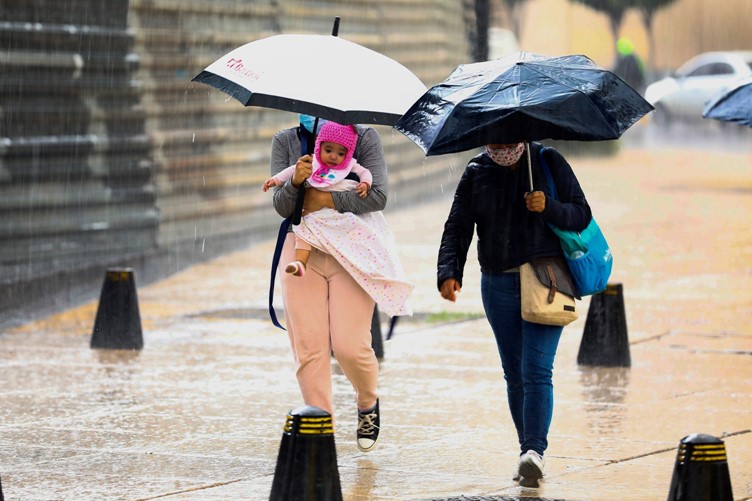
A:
{"x": 547, "y": 292}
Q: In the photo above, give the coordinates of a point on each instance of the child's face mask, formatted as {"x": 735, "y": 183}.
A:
{"x": 506, "y": 154}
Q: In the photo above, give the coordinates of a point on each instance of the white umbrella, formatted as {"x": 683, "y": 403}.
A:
{"x": 319, "y": 75}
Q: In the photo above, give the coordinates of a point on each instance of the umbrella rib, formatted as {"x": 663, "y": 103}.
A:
{"x": 572, "y": 88}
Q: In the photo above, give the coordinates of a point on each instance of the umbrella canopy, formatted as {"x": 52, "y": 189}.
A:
{"x": 733, "y": 105}
{"x": 522, "y": 97}
{"x": 319, "y": 75}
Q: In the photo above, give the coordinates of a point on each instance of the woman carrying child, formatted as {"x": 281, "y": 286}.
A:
{"x": 352, "y": 264}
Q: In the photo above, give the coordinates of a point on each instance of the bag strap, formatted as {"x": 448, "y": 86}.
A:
{"x": 552, "y": 279}
{"x": 282, "y": 235}
{"x": 304, "y": 136}
{"x": 392, "y": 325}
{"x": 550, "y": 179}
{"x": 305, "y": 149}
{"x": 275, "y": 264}
{"x": 547, "y": 172}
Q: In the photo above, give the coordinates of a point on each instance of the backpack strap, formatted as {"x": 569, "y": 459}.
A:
{"x": 281, "y": 236}
{"x": 307, "y": 141}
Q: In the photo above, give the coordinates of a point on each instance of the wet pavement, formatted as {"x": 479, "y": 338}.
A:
{"x": 198, "y": 413}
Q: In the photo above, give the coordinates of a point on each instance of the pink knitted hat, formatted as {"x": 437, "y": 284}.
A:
{"x": 332, "y": 132}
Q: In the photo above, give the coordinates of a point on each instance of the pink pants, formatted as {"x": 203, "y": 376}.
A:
{"x": 327, "y": 311}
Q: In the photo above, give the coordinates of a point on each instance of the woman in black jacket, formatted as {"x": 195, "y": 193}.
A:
{"x": 493, "y": 198}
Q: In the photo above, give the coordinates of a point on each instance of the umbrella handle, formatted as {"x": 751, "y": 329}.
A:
{"x": 298, "y": 211}
{"x": 529, "y": 166}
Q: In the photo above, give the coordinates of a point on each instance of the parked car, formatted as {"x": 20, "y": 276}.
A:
{"x": 683, "y": 95}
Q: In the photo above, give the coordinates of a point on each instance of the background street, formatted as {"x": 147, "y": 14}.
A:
{"x": 198, "y": 413}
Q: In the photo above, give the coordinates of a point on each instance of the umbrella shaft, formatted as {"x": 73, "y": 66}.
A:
{"x": 529, "y": 166}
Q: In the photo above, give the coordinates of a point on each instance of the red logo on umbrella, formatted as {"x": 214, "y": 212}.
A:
{"x": 237, "y": 66}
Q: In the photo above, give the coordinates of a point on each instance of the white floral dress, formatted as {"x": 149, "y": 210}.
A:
{"x": 365, "y": 247}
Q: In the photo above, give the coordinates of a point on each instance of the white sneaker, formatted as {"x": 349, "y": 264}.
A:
{"x": 532, "y": 466}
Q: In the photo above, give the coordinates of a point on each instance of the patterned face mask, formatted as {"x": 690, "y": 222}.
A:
{"x": 507, "y": 155}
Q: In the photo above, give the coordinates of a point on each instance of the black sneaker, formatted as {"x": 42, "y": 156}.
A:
{"x": 368, "y": 428}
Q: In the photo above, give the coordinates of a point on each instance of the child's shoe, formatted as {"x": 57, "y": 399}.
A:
{"x": 296, "y": 269}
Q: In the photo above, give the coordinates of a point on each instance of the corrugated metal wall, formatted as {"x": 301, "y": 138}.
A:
{"x": 110, "y": 156}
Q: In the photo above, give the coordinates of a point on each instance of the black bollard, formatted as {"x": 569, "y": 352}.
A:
{"x": 377, "y": 341}
{"x": 118, "y": 322}
{"x": 701, "y": 471}
{"x": 2, "y": 498}
{"x": 307, "y": 461}
{"x": 604, "y": 340}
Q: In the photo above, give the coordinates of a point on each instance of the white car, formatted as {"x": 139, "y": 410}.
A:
{"x": 683, "y": 95}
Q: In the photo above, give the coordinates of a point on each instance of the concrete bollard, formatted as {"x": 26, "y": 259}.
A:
{"x": 307, "y": 460}
{"x": 701, "y": 471}
{"x": 118, "y": 322}
{"x": 604, "y": 340}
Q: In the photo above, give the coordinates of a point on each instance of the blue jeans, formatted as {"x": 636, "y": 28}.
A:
{"x": 527, "y": 352}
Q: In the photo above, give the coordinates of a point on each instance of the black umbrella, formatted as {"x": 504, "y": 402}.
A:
{"x": 522, "y": 97}
{"x": 733, "y": 105}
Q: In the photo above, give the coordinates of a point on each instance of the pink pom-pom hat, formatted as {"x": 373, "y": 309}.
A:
{"x": 332, "y": 132}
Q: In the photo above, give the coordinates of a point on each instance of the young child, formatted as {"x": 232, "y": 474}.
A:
{"x": 332, "y": 162}
{"x": 362, "y": 243}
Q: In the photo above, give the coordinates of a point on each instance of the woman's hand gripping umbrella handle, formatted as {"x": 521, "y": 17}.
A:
{"x": 298, "y": 211}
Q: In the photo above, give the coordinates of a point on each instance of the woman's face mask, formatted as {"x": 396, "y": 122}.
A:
{"x": 506, "y": 154}
{"x": 307, "y": 121}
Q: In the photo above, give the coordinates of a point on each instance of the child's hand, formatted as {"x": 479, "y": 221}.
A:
{"x": 269, "y": 183}
{"x": 362, "y": 189}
